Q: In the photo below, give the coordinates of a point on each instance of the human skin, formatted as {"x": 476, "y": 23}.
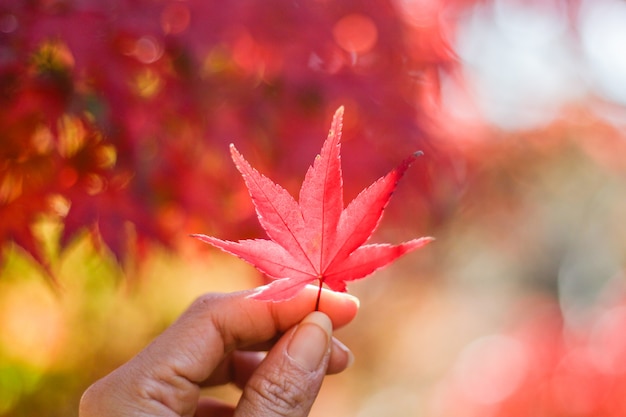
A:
{"x": 218, "y": 340}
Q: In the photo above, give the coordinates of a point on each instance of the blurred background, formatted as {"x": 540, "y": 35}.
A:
{"x": 115, "y": 120}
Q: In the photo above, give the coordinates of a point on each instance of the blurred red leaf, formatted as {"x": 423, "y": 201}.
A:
{"x": 93, "y": 91}
{"x": 316, "y": 239}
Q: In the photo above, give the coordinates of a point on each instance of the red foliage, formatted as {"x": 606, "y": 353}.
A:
{"x": 123, "y": 108}
{"x": 544, "y": 368}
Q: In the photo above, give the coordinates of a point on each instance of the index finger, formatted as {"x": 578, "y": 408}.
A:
{"x": 217, "y": 324}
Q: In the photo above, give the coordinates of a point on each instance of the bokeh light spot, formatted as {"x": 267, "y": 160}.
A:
{"x": 420, "y": 13}
{"x": 106, "y": 156}
{"x": 53, "y": 56}
{"x": 71, "y": 135}
{"x": 67, "y": 177}
{"x": 147, "y": 83}
{"x": 94, "y": 184}
{"x": 603, "y": 35}
{"x": 356, "y": 33}
{"x": 33, "y": 331}
{"x": 8, "y": 23}
{"x": 11, "y": 187}
{"x": 491, "y": 368}
{"x": 147, "y": 50}
{"x": 175, "y": 18}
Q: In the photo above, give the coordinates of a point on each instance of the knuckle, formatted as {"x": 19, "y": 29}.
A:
{"x": 87, "y": 404}
{"x": 279, "y": 393}
{"x": 203, "y": 300}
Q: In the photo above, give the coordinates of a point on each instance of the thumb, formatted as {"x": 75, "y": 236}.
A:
{"x": 287, "y": 382}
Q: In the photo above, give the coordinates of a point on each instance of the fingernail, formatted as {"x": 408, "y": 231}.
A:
{"x": 345, "y": 350}
{"x": 310, "y": 342}
{"x": 352, "y": 298}
{"x": 344, "y": 296}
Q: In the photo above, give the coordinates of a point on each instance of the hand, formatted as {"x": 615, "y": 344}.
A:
{"x": 217, "y": 341}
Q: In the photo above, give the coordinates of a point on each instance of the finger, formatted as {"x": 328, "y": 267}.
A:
{"x": 166, "y": 374}
{"x": 217, "y": 324}
{"x": 340, "y": 358}
{"x": 287, "y": 382}
{"x": 240, "y": 365}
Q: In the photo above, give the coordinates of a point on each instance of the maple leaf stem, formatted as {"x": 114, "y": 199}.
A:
{"x": 319, "y": 294}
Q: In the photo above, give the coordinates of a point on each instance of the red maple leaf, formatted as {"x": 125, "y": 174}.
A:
{"x": 316, "y": 239}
